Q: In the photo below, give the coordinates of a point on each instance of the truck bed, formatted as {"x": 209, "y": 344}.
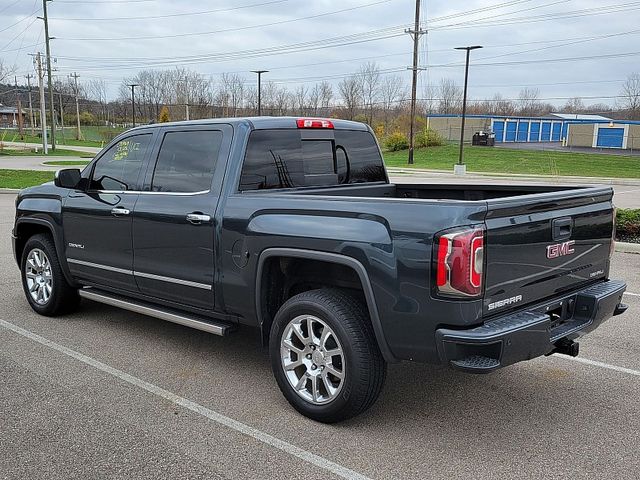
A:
{"x": 438, "y": 191}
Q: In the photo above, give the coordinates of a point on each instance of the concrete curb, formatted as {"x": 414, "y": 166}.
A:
{"x": 624, "y": 247}
{"x": 9, "y": 191}
{"x": 522, "y": 176}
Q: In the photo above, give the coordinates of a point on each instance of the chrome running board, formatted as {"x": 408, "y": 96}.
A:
{"x": 181, "y": 318}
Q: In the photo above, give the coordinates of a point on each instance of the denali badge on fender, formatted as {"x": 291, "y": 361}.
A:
{"x": 560, "y": 249}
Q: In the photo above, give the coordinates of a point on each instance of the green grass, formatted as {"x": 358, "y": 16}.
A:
{"x": 67, "y": 163}
{"x": 503, "y": 160}
{"x": 23, "y": 178}
{"x": 18, "y": 152}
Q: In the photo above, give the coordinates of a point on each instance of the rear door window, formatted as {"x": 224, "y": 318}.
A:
{"x": 284, "y": 159}
{"x": 186, "y": 161}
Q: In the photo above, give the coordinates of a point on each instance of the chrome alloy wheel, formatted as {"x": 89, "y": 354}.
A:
{"x": 39, "y": 277}
{"x": 312, "y": 359}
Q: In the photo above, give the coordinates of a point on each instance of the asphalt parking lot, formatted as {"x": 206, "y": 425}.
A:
{"x": 105, "y": 393}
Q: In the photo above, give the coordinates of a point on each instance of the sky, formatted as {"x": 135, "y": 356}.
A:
{"x": 564, "y": 48}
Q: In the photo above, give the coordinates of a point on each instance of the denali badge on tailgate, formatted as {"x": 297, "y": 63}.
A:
{"x": 560, "y": 249}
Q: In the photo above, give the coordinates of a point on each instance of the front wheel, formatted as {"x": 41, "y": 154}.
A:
{"x": 324, "y": 355}
{"x": 43, "y": 281}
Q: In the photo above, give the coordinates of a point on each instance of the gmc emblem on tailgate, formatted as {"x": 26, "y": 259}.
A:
{"x": 560, "y": 249}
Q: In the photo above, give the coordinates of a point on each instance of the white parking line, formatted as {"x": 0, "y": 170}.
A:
{"x": 228, "y": 422}
{"x": 595, "y": 363}
{"x": 632, "y": 294}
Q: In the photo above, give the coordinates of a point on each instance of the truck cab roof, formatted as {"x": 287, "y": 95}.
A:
{"x": 263, "y": 123}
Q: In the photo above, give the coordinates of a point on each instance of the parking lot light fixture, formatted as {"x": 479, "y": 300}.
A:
{"x": 460, "y": 168}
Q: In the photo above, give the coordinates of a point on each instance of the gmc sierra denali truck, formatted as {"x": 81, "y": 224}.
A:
{"x": 291, "y": 225}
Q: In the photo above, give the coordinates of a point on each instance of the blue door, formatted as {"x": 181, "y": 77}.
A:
{"x": 546, "y": 132}
{"x": 556, "y": 131}
{"x": 498, "y": 129}
{"x": 534, "y": 131}
{"x": 511, "y": 132}
{"x": 610, "y": 137}
{"x": 523, "y": 131}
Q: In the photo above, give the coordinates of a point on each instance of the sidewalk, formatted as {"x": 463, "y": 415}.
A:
{"x": 511, "y": 176}
{"x": 75, "y": 148}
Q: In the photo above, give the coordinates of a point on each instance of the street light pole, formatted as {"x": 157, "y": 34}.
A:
{"x": 259, "y": 72}
{"x": 133, "y": 102}
{"x": 460, "y": 168}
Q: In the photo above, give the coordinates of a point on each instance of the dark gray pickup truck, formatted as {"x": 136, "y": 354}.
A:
{"x": 291, "y": 226}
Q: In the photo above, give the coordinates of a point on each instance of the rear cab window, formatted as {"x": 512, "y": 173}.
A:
{"x": 290, "y": 158}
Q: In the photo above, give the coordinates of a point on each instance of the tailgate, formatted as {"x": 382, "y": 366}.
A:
{"x": 540, "y": 245}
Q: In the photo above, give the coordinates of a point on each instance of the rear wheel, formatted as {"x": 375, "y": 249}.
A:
{"x": 43, "y": 281}
{"x": 324, "y": 355}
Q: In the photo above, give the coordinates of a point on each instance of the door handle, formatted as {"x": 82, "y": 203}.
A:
{"x": 198, "y": 218}
{"x": 117, "y": 211}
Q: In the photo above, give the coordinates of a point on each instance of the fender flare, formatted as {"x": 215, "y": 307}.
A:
{"x": 332, "y": 258}
{"x": 56, "y": 241}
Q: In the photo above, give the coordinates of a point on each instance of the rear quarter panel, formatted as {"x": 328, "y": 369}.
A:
{"x": 391, "y": 238}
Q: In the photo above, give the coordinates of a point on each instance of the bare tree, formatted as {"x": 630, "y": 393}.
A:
{"x": 528, "y": 101}
{"x": 573, "y": 105}
{"x": 392, "y": 90}
{"x": 351, "y": 93}
{"x": 314, "y": 99}
{"x": 326, "y": 96}
{"x": 369, "y": 79}
{"x": 300, "y": 100}
{"x": 631, "y": 95}
{"x": 98, "y": 92}
{"x": 449, "y": 96}
{"x": 230, "y": 95}
{"x": 502, "y": 106}
{"x": 6, "y": 71}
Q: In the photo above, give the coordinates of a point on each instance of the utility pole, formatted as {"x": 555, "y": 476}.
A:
{"x": 43, "y": 113}
{"x": 47, "y": 38}
{"x": 20, "y": 122}
{"x": 78, "y": 133}
{"x": 61, "y": 113}
{"x": 133, "y": 101}
{"x": 29, "y": 77}
{"x": 416, "y": 33}
{"x": 259, "y": 72}
{"x": 460, "y": 168}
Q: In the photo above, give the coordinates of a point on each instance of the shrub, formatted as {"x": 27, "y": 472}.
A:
{"x": 107, "y": 135}
{"x": 87, "y": 118}
{"x": 628, "y": 222}
{"x": 429, "y": 138}
{"x": 164, "y": 115}
{"x": 396, "y": 141}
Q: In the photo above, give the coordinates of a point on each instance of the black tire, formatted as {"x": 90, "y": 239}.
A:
{"x": 364, "y": 367}
{"x": 63, "y": 298}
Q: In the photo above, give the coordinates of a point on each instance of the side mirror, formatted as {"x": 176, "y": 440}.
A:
{"x": 67, "y": 178}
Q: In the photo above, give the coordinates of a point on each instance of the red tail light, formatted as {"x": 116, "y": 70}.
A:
{"x": 459, "y": 262}
{"x": 314, "y": 123}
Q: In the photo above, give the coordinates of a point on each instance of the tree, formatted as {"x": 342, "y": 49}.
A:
{"x": 391, "y": 92}
{"x": 300, "y": 100}
{"x": 450, "y": 97}
{"x": 528, "y": 101}
{"x": 631, "y": 95}
{"x": 351, "y": 93}
{"x": 573, "y": 105}
{"x": 6, "y": 71}
{"x": 326, "y": 96}
{"x": 369, "y": 79}
{"x": 502, "y": 106}
{"x": 164, "y": 115}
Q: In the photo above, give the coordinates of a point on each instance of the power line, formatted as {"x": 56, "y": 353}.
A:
{"x": 235, "y": 29}
{"x": 171, "y": 15}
